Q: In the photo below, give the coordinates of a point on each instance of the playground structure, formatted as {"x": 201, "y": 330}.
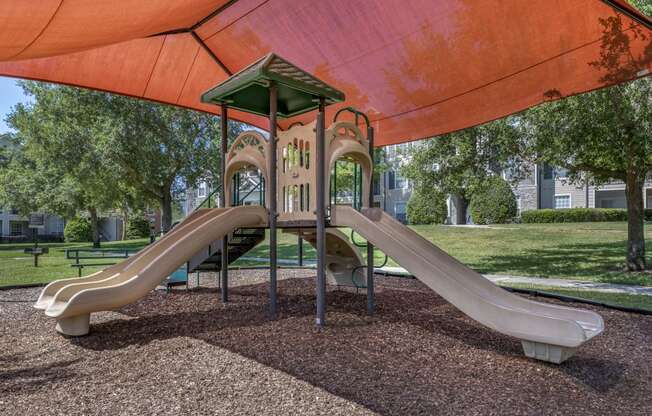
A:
{"x": 294, "y": 166}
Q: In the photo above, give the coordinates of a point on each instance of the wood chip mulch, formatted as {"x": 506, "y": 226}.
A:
{"x": 187, "y": 353}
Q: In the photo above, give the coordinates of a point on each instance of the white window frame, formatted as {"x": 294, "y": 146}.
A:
{"x": 570, "y": 200}
{"x": 201, "y": 190}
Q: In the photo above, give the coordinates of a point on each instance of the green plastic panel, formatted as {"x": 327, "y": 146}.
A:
{"x": 248, "y": 90}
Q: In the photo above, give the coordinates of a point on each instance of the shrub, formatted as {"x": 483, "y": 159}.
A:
{"x": 493, "y": 203}
{"x": 426, "y": 207}
{"x": 577, "y": 215}
{"x": 78, "y": 230}
{"x": 138, "y": 227}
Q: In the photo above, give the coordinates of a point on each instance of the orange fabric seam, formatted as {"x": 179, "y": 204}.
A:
{"x": 149, "y": 78}
{"x": 183, "y": 87}
{"x": 39, "y": 33}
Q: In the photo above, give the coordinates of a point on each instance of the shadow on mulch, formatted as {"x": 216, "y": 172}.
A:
{"x": 417, "y": 355}
{"x": 39, "y": 377}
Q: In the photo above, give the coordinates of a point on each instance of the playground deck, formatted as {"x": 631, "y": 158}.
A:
{"x": 186, "y": 352}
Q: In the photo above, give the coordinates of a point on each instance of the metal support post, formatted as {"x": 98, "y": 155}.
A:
{"x": 370, "y": 247}
{"x": 273, "y": 101}
{"x": 320, "y": 211}
{"x": 224, "y": 262}
{"x": 300, "y": 250}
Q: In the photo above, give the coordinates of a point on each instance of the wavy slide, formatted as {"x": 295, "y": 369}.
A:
{"x": 548, "y": 332}
{"x": 71, "y": 301}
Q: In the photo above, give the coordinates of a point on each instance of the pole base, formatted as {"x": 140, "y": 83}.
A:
{"x": 74, "y": 326}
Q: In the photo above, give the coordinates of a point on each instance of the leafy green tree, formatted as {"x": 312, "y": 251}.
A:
{"x": 160, "y": 150}
{"x": 105, "y": 151}
{"x": 606, "y": 134}
{"x": 78, "y": 230}
{"x": 137, "y": 227}
{"x": 426, "y": 206}
{"x": 643, "y": 5}
{"x": 459, "y": 162}
{"x": 493, "y": 202}
{"x": 56, "y": 164}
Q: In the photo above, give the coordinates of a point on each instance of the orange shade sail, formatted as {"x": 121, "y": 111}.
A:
{"x": 418, "y": 68}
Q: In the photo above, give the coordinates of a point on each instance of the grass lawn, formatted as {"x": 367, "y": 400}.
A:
{"x": 582, "y": 251}
{"x": 18, "y": 268}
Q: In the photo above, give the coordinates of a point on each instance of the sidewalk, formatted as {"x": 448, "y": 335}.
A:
{"x": 506, "y": 279}
{"x": 558, "y": 283}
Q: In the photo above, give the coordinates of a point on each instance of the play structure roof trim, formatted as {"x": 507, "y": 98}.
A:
{"x": 298, "y": 91}
{"x": 419, "y": 69}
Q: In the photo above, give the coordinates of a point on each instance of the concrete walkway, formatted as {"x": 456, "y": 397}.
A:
{"x": 557, "y": 283}
{"x": 507, "y": 280}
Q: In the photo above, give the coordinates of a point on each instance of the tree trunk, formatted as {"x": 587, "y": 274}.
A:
{"x": 125, "y": 223}
{"x": 635, "y": 222}
{"x": 95, "y": 227}
{"x": 460, "y": 209}
{"x": 166, "y": 210}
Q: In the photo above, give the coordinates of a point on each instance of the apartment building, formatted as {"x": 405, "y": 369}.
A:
{"x": 15, "y": 227}
{"x": 544, "y": 187}
{"x": 548, "y": 187}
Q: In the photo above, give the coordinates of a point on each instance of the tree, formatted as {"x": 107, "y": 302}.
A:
{"x": 56, "y": 164}
{"x": 108, "y": 151}
{"x": 493, "y": 202}
{"x": 161, "y": 149}
{"x": 459, "y": 162}
{"x": 606, "y": 134}
{"x": 426, "y": 206}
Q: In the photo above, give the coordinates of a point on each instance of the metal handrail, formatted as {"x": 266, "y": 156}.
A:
{"x": 208, "y": 198}
{"x": 356, "y": 112}
{"x": 255, "y": 187}
{"x": 355, "y": 269}
{"x": 364, "y": 266}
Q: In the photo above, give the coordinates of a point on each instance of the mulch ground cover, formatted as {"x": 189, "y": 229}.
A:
{"x": 187, "y": 353}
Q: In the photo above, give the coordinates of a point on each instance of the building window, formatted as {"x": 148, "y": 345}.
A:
{"x": 401, "y": 182}
{"x": 548, "y": 171}
{"x": 376, "y": 187}
{"x": 16, "y": 228}
{"x": 562, "y": 201}
{"x": 201, "y": 190}
{"x": 391, "y": 179}
{"x": 561, "y": 173}
{"x": 400, "y": 211}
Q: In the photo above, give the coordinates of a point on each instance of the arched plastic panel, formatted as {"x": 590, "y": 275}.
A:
{"x": 345, "y": 140}
{"x": 342, "y": 257}
{"x": 250, "y": 148}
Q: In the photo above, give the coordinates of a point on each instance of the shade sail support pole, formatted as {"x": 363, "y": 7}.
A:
{"x": 273, "y": 101}
{"x": 320, "y": 212}
{"x": 224, "y": 261}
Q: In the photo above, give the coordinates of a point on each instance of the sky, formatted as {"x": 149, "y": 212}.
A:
{"x": 10, "y": 95}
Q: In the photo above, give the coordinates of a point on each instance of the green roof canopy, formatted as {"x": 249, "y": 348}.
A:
{"x": 247, "y": 90}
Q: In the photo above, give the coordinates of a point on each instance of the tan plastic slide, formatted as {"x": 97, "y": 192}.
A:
{"x": 548, "y": 332}
{"x": 47, "y": 295}
{"x": 74, "y": 301}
